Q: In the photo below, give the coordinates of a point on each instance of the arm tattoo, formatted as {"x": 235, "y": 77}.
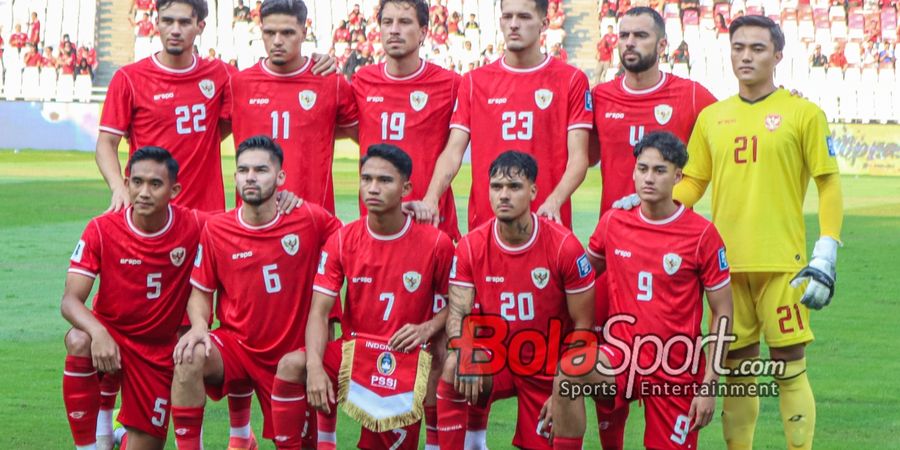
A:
{"x": 461, "y": 299}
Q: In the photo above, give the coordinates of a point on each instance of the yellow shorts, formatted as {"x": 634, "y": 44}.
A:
{"x": 765, "y": 302}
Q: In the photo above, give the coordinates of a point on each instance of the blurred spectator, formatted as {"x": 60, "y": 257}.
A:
{"x": 682, "y": 55}
{"x": 48, "y": 60}
{"x": 355, "y": 17}
{"x": 65, "y": 40}
{"x": 556, "y": 18}
{"x": 437, "y": 13}
{"x": 310, "y": 34}
{"x": 440, "y": 35}
{"x": 343, "y": 58}
{"x": 66, "y": 60}
{"x": 838, "y": 60}
{"x": 233, "y": 63}
{"x": 211, "y": 56}
{"x": 1, "y": 48}
{"x": 468, "y": 55}
{"x": 557, "y": 51}
{"x": 84, "y": 66}
{"x": 453, "y": 26}
{"x": 362, "y": 43}
{"x": 853, "y": 55}
{"x": 254, "y": 13}
{"x": 356, "y": 61}
{"x": 142, "y": 6}
{"x": 145, "y": 27}
{"x": 18, "y": 39}
{"x": 241, "y": 12}
{"x": 605, "y": 49}
{"x": 608, "y": 8}
{"x": 438, "y": 57}
{"x": 472, "y": 24}
{"x": 31, "y": 57}
{"x": 818, "y": 59}
{"x": 488, "y": 55}
{"x": 888, "y": 56}
{"x": 870, "y": 55}
{"x": 34, "y": 35}
{"x": 342, "y": 33}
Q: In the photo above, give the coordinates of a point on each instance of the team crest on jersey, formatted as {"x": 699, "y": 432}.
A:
{"x": 540, "y": 277}
{"x": 543, "y": 98}
{"x": 307, "y": 99}
{"x": 663, "y": 113}
{"x": 418, "y": 100}
{"x": 671, "y": 263}
{"x": 177, "y": 256}
{"x": 386, "y": 363}
{"x": 291, "y": 244}
{"x": 208, "y": 88}
{"x": 773, "y": 121}
{"x": 411, "y": 281}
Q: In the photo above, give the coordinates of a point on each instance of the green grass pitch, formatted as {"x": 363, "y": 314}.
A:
{"x": 47, "y": 197}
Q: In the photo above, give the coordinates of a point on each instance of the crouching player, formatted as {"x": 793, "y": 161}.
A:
{"x": 262, "y": 264}
{"x": 661, "y": 258}
{"x": 142, "y": 255}
{"x": 531, "y": 275}
{"x": 397, "y": 272}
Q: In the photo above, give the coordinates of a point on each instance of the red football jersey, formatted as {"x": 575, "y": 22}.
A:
{"x": 526, "y": 285}
{"x": 178, "y": 110}
{"x": 529, "y": 110}
{"x": 144, "y": 285}
{"x": 660, "y": 285}
{"x": 300, "y": 111}
{"x": 622, "y": 116}
{"x": 412, "y": 113}
{"x": 391, "y": 280}
{"x": 264, "y": 276}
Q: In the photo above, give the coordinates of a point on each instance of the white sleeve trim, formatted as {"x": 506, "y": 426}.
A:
{"x": 594, "y": 254}
{"x": 79, "y": 374}
{"x": 719, "y": 286}
{"x": 83, "y": 272}
{"x": 112, "y": 130}
{"x": 202, "y": 287}
{"x": 461, "y": 283}
{"x": 576, "y": 126}
{"x": 460, "y": 127}
{"x": 325, "y": 291}
{"x": 578, "y": 291}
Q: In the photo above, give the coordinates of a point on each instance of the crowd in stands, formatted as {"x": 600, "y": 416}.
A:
{"x": 48, "y": 51}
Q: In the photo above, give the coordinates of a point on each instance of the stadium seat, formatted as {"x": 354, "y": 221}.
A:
{"x": 65, "y": 88}
{"x": 31, "y": 84}
{"x": 142, "y": 48}
{"x": 48, "y": 84}
{"x": 83, "y": 88}
{"x": 12, "y": 84}
{"x": 681, "y": 70}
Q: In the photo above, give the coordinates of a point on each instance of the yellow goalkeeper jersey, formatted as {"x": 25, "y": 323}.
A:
{"x": 758, "y": 158}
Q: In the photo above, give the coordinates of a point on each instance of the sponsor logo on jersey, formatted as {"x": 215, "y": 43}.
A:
{"x": 540, "y": 277}
{"x": 453, "y": 268}
{"x": 241, "y": 255}
{"x": 79, "y": 252}
{"x": 584, "y": 266}
{"x": 208, "y": 88}
{"x": 307, "y": 99}
{"x": 494, "y": 101}
{"x": 259, "y": 101}
{"x": 199, "y": 257}
{"x": 723, "y": 263}
{"x": 163, "y": 96}
{"x": 374, "y": 99}
{"x": 614, "y": 115}
{"x": 365, "y": 280}
{"x": 773, "y": 121}
{"x": 411, "y": 281}
{"x": 671, "y": 263}
{"x": 177, "y": 256}
{"x": 322, "y": 260}
{"x": 130, "y": 261}
{"x": 588, "y": 101}
{"x": 830, "y": 143}
{"x": 386, "y": 363}
{"x": 418, "y": 100}
{"x": 622, "y": 253}
{"x": 663, "y": 113}
{"x": 543, "y": 98}
{"x": 493, "y": 279}
{"x": 291, "y": 244}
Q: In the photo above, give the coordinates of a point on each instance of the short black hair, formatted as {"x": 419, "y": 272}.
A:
{"x": 264, "y": 143}
{"x": 420, "y": 5}
{"x": 670, "y": 147}
{"x": 658, "y": 21}
{"x": 294, "y": 8}
{"x": 761, "y": 22}
{"x": 392, "y": 154}
{"x": 512, "y": 162}
{"x": 199, "y": 7}
{"x": 157, "y": 154}
{"x": 542, "y": 6}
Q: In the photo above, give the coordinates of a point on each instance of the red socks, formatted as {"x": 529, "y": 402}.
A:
{"x": 612, "y": 436}
{"x": 187, "y": 421}
{"x": 81, "y": 395}
{"x": 431, "y": 423}
{"x": 451, "y": 421}
{"x": 564, "y": 443}
{"x": 288, "y": 413}
{"x": 325, "y": 431}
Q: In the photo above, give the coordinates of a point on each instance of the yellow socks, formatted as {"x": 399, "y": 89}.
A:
{"x": 739, "y": 414}
{"x": 798, "y": 407}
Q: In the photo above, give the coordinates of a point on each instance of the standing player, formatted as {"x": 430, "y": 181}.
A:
{"x": 660, "y": 288}
{"x": 759, "y": 149}
{"x": 646, "y": 99}
{"x": 528, "y": 101}
{"x": 262, "y": 264}
{"x": 142, "y": 255}
{"x": 407, "y": 101}
{"x": 282, "y": 98}
{"x": 529, "y": 271}
{"x": 396, "y": 269}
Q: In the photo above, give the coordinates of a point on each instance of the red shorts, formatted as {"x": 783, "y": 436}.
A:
{"x": 531, "y": 393}
{"x": 601, "y": 302}
{"x": 406, "y": 438}
{"x": 146, "y": 375}
{"x": 243, "y": 368}
{"x": 666, "y": 416}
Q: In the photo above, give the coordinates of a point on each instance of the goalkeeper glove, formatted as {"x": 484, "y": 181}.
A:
{"x": 627, "y": 202}
{"x": 820, "y": 273}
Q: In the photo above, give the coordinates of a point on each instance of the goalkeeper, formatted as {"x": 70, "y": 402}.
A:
{"x": 758, "y": 150}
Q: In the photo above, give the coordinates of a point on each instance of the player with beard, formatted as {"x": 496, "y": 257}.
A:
{"x": 646, "y": 99}
{"x": 528, "y": 101}
{"x": 282, "y": 98}
{"x": 406, "y": 101}
{"x": 262, "y": 264}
